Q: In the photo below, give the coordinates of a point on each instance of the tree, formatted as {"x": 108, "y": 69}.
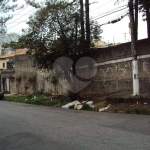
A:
{"x": 55, "y": 31}
{"x": 144, "y": 7}
{"x": 11, "y": 40}
{"x": 5, "y": 7}
{"x": 10, "y": 37}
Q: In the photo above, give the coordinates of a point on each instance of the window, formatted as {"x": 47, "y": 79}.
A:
{"x": 3, "y": 65}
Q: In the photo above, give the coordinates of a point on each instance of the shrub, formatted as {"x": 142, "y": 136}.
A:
{"x": 87, "y": 107}
{"x": 30, "y": 96}
{"x": 143, "y": 111}
{"x": 128, "y": 111}
{"x": 32, "y": 78}
{"x": 115, "y": 110}
{"x": 18, "y": 79}
{"x": 72, "y": 96}
{"x": 47, "y": 94}
{"x": 137, "y": 110}
{"x": 54, "y": 80}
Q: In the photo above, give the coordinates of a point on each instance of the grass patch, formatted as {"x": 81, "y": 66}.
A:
{"x": 138, "y": 110}
{"x": 15, "y": 98}
{"x": 100, "y": 105}
{"x": 115, "y": 110}
{"x": 39, "y": 99}
{"x": 128, "y": 111}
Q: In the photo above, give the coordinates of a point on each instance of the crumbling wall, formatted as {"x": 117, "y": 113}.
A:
{"x": 34, "y": 80}
{"x": 114, "y": 72}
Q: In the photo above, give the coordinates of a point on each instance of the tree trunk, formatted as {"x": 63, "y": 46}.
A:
{"x": 76, "y": 32}
{"x": 82, "y": 25}
{"x": 136, "y": 20}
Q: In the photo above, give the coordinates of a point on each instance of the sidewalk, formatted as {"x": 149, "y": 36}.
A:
{"x": 127, "y": 97}
{"x": 9, "y": 94}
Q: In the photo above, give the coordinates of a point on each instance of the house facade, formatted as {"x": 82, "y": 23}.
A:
{"x": 7, "y": 70}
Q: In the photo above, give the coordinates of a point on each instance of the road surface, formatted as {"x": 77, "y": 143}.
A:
{"x": 33, "y": 127}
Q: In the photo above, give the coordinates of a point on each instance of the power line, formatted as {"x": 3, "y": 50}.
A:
{"x": 115, "y": 20}
{"x": 17, "y": 24}
{"x": 109, "y": 14}
{"x": 96, "y": 18}
{"x": 110, "y": 11}
{"x": 101, "y": 5}
{"x": 21, "y": 16}
{"x": 93, "y": 19}
{"x": 21, "y": 10}
{"x": 118, "y": 16}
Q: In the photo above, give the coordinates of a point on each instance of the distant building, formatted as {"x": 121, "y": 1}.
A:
{"x": 7, "y": 69}
{"x": 99, "y": 43}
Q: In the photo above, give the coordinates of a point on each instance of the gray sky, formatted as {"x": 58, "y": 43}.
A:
{"x": 118, "y": 32}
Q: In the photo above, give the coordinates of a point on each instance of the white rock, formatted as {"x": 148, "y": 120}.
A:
{"x": 71, "y": 104}
{"x": 103, "y": 109}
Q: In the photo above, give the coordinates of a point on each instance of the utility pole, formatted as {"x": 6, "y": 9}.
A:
{"x": 134, "y": 50}
{"x": 87, "y": 24}
{"x": 136, "y": 19}
{"x": 113, "y": 40}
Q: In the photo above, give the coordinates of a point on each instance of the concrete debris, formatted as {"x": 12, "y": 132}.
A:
{"x": 78, "y": 106}
{"x": 83, "y": 102}
{"x": 103, "y": 109}
{"x": 76, "y": 102}
{"x": 90, "y": 103}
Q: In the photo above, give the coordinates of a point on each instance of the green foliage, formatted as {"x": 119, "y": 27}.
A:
{"x": 15, "y": 98}
{"x": 138, "y": 110}
{"x": 5, "y": 7}
{"x": 55, "y": 31}
{"x": 53, "y": 35}
{"x": 115, "y": 110}
{"x": 128, "y": 111}
{"x": 143, "y": 111}
{"x": 18, "y": 78}
{"x": 10, "y": 40}
{"x": 38, "y": 99}
{"x": 54, "y": 80}
{"x": 29, "y": 96}
{"x": 87, "y": 107}
{"x": 142, "y": 5}
{"x": 32, "y": 79}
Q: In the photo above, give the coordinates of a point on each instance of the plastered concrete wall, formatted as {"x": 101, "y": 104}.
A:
{"x": 114, "y": 72}
{"x": 24, "y": 68}
{"x": 115, "y": 69}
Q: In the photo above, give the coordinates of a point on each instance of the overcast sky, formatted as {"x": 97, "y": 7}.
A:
{"x": 118, "y": 32}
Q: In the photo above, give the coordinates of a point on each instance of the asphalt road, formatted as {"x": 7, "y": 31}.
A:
{"x": 32, "y": 127}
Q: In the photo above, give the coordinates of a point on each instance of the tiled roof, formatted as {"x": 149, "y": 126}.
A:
{"x": 17, "y": 52}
